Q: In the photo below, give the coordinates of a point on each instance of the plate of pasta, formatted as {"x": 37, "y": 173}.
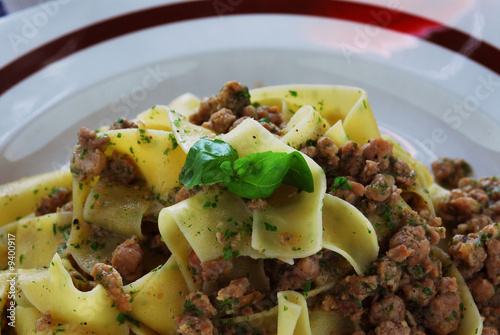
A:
{"x": 287, "y": 181}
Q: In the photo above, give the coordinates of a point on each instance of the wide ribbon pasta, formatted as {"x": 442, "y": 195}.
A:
{"x": 20, "y": 198}
{"x": 335, "y": 103}
{"x": 348, "y": 232}
{"x": 285, "y": 254}
{"x": 53, "y": 290}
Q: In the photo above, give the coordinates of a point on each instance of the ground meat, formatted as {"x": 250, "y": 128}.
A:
{"x": 235, "y": 289}
{"x": 374, "y": 174}
{"x": 87, "y": 164}
{"x": 360, "y": 287}
{"x": 199, "y": 304}
{"x": 249, "y": 112}
{"x": 231, "y": 106}
{"x": 351, "y": 159}
{"x": 482, "y": 290}
{"x": 390, "y": 308}
{"x": 389, "y": 274}
{"x": 271, "y": 127}
{"x": 491, "y": 234}
{"x": 370, "y": 170}
{"x": 121, "y": 169}
{"x": 489, "y": 331}
{"x": 272, "y": 113}
{"x": 472, "y": 209}
{"x": 379, "y": 189}
{"x": 234, "y": 96}
{"x": 257, "y": 204}
{"x": 237, "y": 122}
{"x": 409, "y": 244}
{"x": 353, "y": 309}
{"x": 44, "y": 322}
{"x": 197, "y": 313}
{"x": 404, "y": 175}
{"x": 419, "y": 293}
{"x": 194, "y": 325}
{"x": 51, "y": 202}
{"x": 237, "y": 295}
{"x": 458, "y": 208}
{"x": 89, "y": 140}
{"x": 88, "y": 158}
{"x": 327, "y": 150}
{"x": 270, "y": 118}
{"x": 195, "y": 267}
{"x": 324, "y": 153}
{"x": 122, "y": 123}
{"x": 449, "y": 171}
{"x": 432, "y": 268}
{"x": 491, "y": 316}
{"x": 207, "y": 107}
{"x": 184, "y": 193}
{"x": 443, "y": 314}
{"x": 295, "y": 276}
{"x": 491, "y": 185}
{"x": 349, "y": 295}
{"x": 378, "y": 150}
{"x": 352, "y": 192}
{"x": 391, "y": 328}
{"x": 212, "y": 269}
{"x": 435, "y": 233}
{"x": 127, "y": 259}
{"x": 495, "y": 211}
{"x": 108, "y": 277}
{"x": 468, "y": 254}
{"x": 220, "y": 121}
{"x": 480, "y": 195}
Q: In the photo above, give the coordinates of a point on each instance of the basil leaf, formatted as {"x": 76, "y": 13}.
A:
{"x": 254, "y": 176}
{"x": 299, "y": 173}
{"x": 202, "y": 166}
{"x": 258, "y": 175}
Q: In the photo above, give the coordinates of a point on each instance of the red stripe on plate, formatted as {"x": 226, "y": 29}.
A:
{"x": 431, "y": 31}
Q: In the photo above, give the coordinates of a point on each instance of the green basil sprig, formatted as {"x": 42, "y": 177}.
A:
{"x": 254, "y": 176}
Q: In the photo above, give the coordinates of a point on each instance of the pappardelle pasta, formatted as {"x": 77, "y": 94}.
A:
{"x": 279, "y": 210}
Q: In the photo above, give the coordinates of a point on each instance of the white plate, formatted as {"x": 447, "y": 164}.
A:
{"x": 437, "y": 101}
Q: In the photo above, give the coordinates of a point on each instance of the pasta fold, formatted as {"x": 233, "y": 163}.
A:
{"x": 290, "y": 225}
{"x": 20, "y": 198}
{"x": 348, "y": 232}
{"x": 117, "y": 208}
{"x": 349, "y": 104}
{"x": 53, "y": 290}
{"x": 156, "y": 304}
{"x": 155, "y": 153}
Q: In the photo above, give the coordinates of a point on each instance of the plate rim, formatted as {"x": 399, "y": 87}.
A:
{"x": 442, "y": 35}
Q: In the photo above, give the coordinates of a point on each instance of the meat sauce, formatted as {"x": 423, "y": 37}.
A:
{"x": 404, "y": 291}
